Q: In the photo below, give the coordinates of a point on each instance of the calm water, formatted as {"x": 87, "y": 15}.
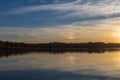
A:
{"x": 66, "y": 66}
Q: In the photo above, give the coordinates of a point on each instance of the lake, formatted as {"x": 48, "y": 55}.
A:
{"x": 61, "y": 66}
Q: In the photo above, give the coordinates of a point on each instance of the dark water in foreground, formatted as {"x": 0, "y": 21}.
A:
{"x": 66, "y": 66}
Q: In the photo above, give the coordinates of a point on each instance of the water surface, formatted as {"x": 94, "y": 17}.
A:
{"x": 62, "y": 66}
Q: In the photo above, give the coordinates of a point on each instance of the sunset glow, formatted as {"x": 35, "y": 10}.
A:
{"x": 61, "y": 21}
{"x": 59, "y": 39}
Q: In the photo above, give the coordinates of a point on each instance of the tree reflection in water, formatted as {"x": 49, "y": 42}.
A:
{"x": 11, "y": 52}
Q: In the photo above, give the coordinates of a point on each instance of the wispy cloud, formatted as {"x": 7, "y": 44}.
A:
{"x": 89, "y": 6}
{"x": 66, "y": 33}
{"x": 60, "y": 12}
{"x": 62, "y": 20}
{"x": 75, "y": 11}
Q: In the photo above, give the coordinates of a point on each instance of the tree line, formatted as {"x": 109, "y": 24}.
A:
{"x": 58, "y": 45}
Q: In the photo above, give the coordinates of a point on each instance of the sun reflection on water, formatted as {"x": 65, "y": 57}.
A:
{"x": 71, "y": 58}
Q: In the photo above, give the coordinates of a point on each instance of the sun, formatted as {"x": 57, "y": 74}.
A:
{"x": 116, "y": 36}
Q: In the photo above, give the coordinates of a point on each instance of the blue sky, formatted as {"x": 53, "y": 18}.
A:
{"x": 37, "y": 20}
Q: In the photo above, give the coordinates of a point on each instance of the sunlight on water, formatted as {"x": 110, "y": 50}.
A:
{"x": 95, "y": 64}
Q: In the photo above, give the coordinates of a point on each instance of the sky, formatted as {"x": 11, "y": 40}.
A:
{"x": 39, "y": 21}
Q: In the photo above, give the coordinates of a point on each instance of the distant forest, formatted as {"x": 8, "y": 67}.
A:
{"x": 57, "y": 45}
{"x": 14, "y": 48}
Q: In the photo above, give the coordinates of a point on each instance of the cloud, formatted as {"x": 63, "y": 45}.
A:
{"x": 74, "y": 11}
{"x": 66, "y": 33}
{"x": 62, "y": 20}
{"x": 64, "y": 12}
{"x": 97, "y": 6}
